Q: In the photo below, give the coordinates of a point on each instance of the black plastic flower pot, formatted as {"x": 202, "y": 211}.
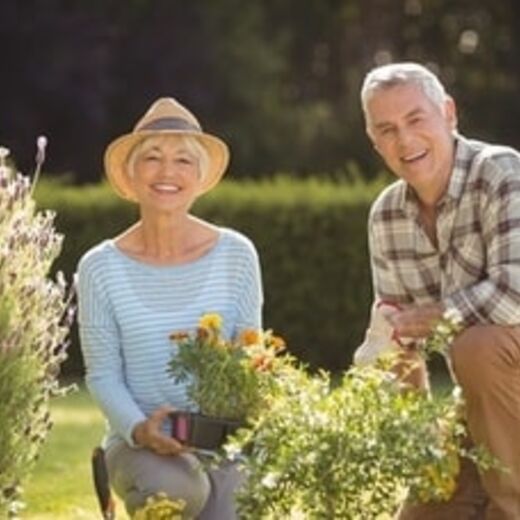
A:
{"x": 202, "y": 431}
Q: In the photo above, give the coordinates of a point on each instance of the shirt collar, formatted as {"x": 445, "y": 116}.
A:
{"x": 461, "y": 164}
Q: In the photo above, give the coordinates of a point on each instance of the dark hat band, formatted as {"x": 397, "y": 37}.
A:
{"x": 170, "y": 123}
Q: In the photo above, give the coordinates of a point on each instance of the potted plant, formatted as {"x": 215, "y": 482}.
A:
{"x": 229, "y": 380}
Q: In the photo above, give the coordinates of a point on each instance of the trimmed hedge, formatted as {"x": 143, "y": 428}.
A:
{"x": 311, "y": 237}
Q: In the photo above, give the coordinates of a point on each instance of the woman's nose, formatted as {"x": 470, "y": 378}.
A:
{"x": 169, "y": 167}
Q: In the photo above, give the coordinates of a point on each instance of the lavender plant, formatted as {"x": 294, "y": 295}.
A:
{"x": 35, "y": 315}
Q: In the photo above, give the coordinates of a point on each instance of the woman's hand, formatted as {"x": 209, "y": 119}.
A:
{"x": 149, "y": 434}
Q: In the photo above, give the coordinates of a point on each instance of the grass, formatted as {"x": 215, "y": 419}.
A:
{"x": 60, "y": 487}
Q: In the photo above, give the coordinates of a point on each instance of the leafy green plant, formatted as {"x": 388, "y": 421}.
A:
{"x": 356, "y": 450}
{"x": 34, "y": 320}
{"x": 230, "y": 379}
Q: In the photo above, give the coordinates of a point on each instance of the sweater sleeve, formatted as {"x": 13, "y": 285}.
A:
{"x": 101, "y": 348}
{"x": 250, "y": 294}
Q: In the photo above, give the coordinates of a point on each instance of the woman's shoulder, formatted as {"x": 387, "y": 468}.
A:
{"x": 96, "y": 256}
{"x": 236, "y": 240}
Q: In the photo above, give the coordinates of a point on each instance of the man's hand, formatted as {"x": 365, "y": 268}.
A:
{"x": 149, "y": 434}
{"x": 416, "y": 321}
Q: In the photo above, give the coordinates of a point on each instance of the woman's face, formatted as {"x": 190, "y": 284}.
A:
{"x": 166, "y": 175}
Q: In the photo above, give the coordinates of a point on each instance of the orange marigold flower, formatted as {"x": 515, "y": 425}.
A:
{"x": 179, "y": 336}
{"x": 262, "y": 363}
{"x": 277, "y": 342}
{"x": 250, "y": 337}
{"x": 202, "y": 333}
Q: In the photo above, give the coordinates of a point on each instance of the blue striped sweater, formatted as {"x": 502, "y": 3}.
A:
{"x": 127, "y": 310}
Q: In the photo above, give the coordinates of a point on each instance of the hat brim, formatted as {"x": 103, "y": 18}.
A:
{"x": 117, "y": 152}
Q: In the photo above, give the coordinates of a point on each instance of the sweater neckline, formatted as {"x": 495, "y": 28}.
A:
{"x": 167, "y": 267}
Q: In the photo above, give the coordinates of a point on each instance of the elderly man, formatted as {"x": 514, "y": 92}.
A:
{"x": 446, "y": 235}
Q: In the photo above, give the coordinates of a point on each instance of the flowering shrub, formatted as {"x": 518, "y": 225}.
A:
{"x": 230, "y": 379}
{"x": 34, "y": 321}
{"x": 353, "y": 451}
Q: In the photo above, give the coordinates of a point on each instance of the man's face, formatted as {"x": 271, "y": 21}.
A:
{"x": 414, "y": 136}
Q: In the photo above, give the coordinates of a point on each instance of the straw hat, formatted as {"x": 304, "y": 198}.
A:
{"x": 166, "y": 116}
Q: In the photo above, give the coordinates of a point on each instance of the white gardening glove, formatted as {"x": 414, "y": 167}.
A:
{"x": 380, "y": 337}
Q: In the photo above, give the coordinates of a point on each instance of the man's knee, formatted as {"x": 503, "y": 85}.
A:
{"x": 477, "y": 353}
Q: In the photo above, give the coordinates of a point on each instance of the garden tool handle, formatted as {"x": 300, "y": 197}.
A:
{"x": 102, "y": 484}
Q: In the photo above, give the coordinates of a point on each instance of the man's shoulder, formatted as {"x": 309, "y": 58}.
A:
{"x": 493, "y": 160}
{"x": 390, "y": 200}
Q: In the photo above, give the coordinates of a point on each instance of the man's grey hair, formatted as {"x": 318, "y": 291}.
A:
{"x": 404, "y": 73}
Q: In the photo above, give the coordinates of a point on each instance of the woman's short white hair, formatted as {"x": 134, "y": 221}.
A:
{"x": 404, "y": 73}
{"x": 190, "y": 143}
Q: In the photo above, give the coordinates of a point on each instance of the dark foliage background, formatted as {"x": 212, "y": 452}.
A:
{"x": 279, "y": 79}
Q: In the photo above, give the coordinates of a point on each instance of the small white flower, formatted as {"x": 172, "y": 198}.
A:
{"x": 453, "y": 315}
{"x": 442, "y": 329}
{"x": 4, "y": 152}
{"x": 270, "y": 480}
{"x": 233, "y": 451}
{"x": 41, "y": 142}
{"x": 457, "y": 392}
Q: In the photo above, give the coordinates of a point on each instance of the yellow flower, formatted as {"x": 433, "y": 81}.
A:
{"x": 250, "y": 337}
{"x": 211, "y": 321}
{"x": 160, "y": 507}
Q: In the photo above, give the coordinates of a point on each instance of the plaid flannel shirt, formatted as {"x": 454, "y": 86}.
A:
{"x": 475, "y": 267}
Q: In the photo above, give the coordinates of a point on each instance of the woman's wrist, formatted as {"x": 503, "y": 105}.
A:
{"x": 137, "y": 433}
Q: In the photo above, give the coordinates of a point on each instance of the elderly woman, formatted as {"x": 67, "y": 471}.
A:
{"x": 158, "y": 276}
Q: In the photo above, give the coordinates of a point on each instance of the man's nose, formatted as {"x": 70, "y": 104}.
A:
{"x": 404, "y": 137}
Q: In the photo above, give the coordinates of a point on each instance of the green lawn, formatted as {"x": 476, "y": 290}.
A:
{"x": 60, "y": 487}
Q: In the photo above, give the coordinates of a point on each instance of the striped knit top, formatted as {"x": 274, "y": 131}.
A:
{"x": 128, "y": 309}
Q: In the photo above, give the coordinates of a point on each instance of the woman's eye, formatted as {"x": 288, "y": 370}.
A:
{"x": 151, "y": 158}
{"x": 184, "y": 160}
